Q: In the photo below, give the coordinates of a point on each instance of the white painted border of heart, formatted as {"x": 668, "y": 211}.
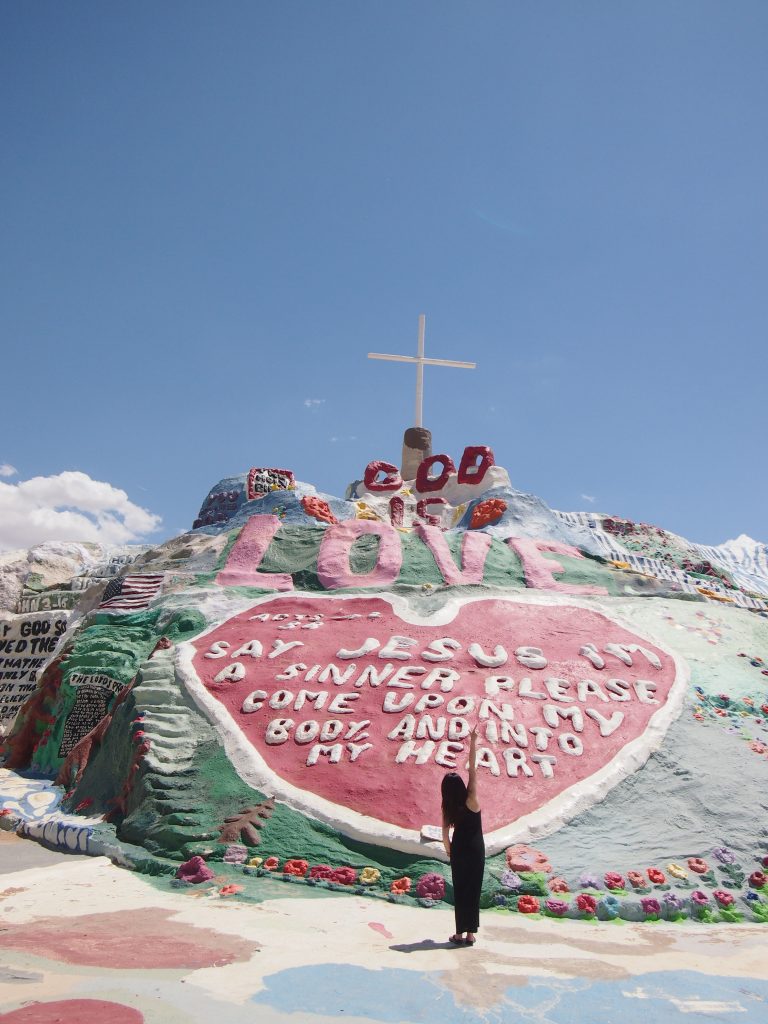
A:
{"x": 551, "y": 816}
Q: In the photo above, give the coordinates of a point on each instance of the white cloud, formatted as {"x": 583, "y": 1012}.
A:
{"x": 69, "y": 506}
{"x": 588, "y": 497}
{"x": 6, "y": 469}
{"x": 312, "y": 403}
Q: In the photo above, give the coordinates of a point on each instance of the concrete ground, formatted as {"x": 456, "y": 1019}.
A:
{"x": 82, "y": 941}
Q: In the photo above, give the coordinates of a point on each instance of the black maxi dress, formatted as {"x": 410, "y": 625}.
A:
{"x": 467, "y": 867}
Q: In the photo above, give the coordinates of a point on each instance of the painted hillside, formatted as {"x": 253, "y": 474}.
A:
{"x": 280, "y": 690}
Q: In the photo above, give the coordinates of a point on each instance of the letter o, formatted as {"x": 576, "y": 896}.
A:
{"x": 425, "y": 482}
{"x": 392, "y": 480}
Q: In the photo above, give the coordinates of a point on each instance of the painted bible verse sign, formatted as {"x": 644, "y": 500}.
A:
{"x": 352, "y": 708}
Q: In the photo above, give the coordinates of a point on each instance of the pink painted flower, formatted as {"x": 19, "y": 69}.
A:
{"x": 528, "y": 905}
{"x": 758, "y": 879}
{"x": 656, "y": 876}
{"x": 725, "y": 899}
{"x": 558, "y": 884}
{"x": 699, "y": 866}
{"x": 613, "y": 880}
{"x": 587, "y": 904}
{"x": 650, "y": 905}
{"x": 431, "y": 886}
{"x": 637, "y": 879}
{"x": 194, "y": 871}
{"x": 699, "y": 898}
{"x": 557, "y": 907}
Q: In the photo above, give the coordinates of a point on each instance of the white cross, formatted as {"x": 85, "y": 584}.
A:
{"x": 421, "y": 362}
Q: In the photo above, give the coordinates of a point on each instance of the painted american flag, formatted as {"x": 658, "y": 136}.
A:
{"x": 131, "y": 593}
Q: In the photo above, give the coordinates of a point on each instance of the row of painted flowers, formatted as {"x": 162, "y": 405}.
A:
{"x": 698, "y": 905}
{"x": 429, "y": 889}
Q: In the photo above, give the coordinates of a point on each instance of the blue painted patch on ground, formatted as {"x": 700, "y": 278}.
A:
{"x": 410, "y": 997}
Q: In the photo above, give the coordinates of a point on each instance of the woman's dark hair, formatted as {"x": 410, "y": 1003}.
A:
{"x": 454, "y": 793}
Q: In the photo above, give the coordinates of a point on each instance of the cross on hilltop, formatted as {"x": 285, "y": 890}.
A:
{"x": 421, "y": 362}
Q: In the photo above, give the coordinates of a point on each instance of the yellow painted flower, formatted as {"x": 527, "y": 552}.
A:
{"x": 255, "y": 862}
{"x": 677, "y": 871}
{"x": 369, "y": 876}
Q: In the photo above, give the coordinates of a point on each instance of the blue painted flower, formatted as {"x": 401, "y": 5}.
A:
{"x": 610, "y": 906}
{"x": 500, "y": 899}
{"x": 752, "y": 897}
{"x": 511, "y": 880}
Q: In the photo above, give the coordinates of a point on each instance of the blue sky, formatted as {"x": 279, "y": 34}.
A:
{"x": 212, "y": 212}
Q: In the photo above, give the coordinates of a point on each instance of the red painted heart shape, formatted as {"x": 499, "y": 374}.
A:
{"x": 352, "y": 709}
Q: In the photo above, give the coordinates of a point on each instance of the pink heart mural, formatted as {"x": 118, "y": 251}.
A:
{"x": 352, "y": 708}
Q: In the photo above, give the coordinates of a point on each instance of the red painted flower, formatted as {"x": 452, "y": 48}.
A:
{"x": 656, "y": 876}
{"x": 321, "y": 871}
{"x": 558, "y": 884}
{"x": 637, "y": 879}
{"x": 587, "y": 904}
{"x": 758, "y": 879}
{"x": 613, "y": 880}
{"x": 271, "y": 864}
{"x": 295, "y": 867}
{"x": 699, "y": 866}
{"x": 487, "y": 512}
{"x": 401, "y": 886}
{"x": 344, "y": 876}
{"x": 230, "y": 890}
{"x": 528, "y": 905}
{"x": 725, "y": 899}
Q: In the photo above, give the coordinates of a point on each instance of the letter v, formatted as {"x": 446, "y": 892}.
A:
{"x": 474, "y": 552}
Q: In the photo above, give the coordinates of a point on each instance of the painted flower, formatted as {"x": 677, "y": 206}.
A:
{"x": 343, "y": 876}
{"x": 295, "y": 867}
{"x": 677, "y": 871}
{"x": 557, "y": 907}
{"x": 235, "y": 853}
{"x": 510, "y": 880}
{"x": 698, "y": 865}
{"x": 611, "y": 906}
{"x": 194, "y": 871}
{"x": 764, "y": 862}
{"x": 752, "y": 897}
{"x": 271, "y": 864}
{"x": 725, "y": 899}
{"x": 431, "y": 886}
{"x": 525, "y": 858}
{"x": 528, "y": 905}
{"x": 724, "y": 855}
{"x": 230, "y": 890}
{"x": 637, "y": 879}
{"x": 500, "y": 899}
{"x": 656, "y": 876}
{"x": 650, "y": 905}
{"x": 320, "y": 871}
{"x": 401, "y": 886}
{"x": 587, "y": 904}
{"x": 589, "y": 881}
{"x": 699, "y": 898}
{"x": 370, "y": 876}
{"x": 673, "y": 902}
{"x": 758, "y": 879}
{"x": 613, "y": 880}
{"x": 255, "y": 862}
{"x": 758, "y": 746}
{"x": 558, "y": 884}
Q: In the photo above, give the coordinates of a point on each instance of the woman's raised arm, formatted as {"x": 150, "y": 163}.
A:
{"x": 472, "y": 801}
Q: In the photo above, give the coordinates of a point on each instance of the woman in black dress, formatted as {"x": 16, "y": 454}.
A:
{"x": 466, "y": 849}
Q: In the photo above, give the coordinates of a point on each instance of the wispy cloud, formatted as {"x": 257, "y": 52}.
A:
{"x": 588, "y": 497}
{"x": 312, "y": 403}
{"x": 70, "y": 506}
{"x": 6, "y": 470}
{"x": 348, "y": 437}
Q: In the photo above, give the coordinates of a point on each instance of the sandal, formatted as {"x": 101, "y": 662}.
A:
{"x": 456, "y": 940}
{"x": 469, "y": 942}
